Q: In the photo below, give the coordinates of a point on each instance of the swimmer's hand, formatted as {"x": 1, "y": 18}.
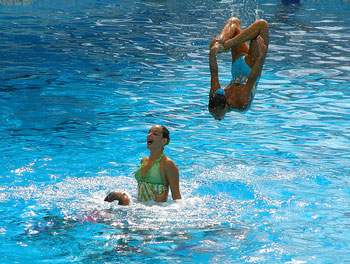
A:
{"x": 161, "y": 198}
{"x": 261, "y": 45}
{"x": 217, "y": 48}
{"x": 214, "y": 40}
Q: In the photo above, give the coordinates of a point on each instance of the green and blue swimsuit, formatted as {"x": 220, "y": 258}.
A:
{"x": 150, "y": 183}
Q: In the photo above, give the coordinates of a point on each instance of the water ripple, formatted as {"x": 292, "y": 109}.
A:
{"x": 81, "y": 83}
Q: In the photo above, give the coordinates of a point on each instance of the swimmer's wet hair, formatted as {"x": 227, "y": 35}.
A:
{"x": 217, "y": 101}
{"x": 166, "y": 134}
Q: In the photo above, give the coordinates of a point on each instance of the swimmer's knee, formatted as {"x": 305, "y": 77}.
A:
{"x": 262, "y": 23}
{"x": 235, "y": 20}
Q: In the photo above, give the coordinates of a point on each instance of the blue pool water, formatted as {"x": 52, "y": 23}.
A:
{"x": 81, "y": 82}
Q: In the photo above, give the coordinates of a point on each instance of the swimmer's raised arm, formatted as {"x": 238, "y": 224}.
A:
{"x": 214, "y": 71}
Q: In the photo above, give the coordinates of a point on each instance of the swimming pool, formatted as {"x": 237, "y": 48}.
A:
{"x": 83, "y": 81}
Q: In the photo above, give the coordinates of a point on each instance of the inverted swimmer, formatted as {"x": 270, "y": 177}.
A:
{"x": 156, "y": 174}
{"x": 247, "y": 64}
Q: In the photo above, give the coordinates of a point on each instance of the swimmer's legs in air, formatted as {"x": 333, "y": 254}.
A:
{"x": 229, "y": 31}
{"x": 258, "y": 28}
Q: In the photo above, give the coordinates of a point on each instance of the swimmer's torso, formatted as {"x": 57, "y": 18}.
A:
{"x": 240, "y": 71}
{"x": 152, "y": 181}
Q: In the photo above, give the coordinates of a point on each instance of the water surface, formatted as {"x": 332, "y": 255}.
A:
{"x": 82, "y": 82}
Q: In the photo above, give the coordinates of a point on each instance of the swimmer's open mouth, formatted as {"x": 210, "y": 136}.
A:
{"x": 149, "y": 142}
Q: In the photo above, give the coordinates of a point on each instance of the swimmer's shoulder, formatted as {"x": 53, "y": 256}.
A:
{"x": 167, "y": 162}
{"x": 165, "y": 159}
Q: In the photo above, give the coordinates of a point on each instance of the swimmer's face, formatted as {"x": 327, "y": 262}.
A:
{"x": 155, "y": 138}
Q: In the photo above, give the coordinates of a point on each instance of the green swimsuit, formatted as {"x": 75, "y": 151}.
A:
{"x": 151, "y": 182}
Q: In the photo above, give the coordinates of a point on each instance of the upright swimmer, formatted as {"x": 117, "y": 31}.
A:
{"x": 157, "y": 172}
{"x": 247, "y": 64}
